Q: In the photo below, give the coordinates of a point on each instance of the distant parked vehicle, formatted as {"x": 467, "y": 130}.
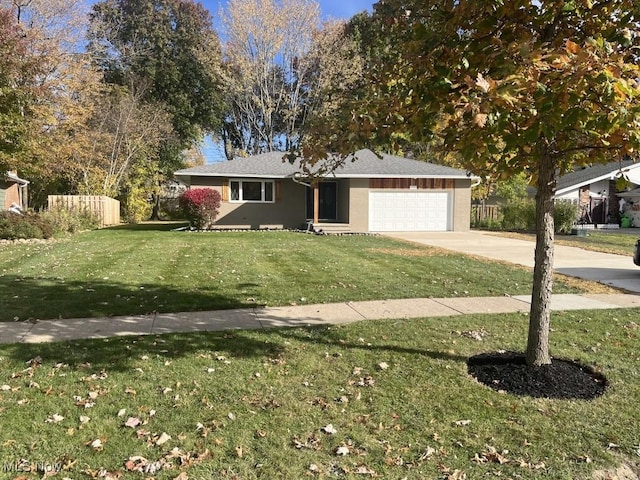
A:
{"x": 636, "y": 253}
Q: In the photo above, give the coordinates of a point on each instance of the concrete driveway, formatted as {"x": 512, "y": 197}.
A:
{"x": 615, "y": 270}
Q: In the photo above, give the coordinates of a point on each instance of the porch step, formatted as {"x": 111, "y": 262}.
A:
{"x": 333, "y": 227}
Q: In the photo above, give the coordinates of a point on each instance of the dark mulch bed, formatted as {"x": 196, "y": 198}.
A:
{"x": 509, "y": 372}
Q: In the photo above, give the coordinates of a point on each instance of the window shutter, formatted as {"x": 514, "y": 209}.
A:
{"x": 225, "y": 190}
{"x": 278, "y": 188}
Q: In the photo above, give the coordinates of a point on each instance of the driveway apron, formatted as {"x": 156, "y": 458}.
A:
{"x": 615, "y": 270}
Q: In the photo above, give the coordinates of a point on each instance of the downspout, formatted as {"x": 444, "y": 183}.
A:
{"x": 295, "y": 179}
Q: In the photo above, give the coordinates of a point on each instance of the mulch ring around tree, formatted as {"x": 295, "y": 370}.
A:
{"x": 562, "y": 379}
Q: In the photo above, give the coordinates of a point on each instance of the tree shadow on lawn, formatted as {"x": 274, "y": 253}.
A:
{"x": 331, "y": 337}
{"x": 160, "y": 226}
{"x": 119, "y": 353}
{"x": 29, "y": 298}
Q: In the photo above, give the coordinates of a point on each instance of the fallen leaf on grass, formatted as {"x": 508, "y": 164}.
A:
{"x": 364, "y": 470}
{"x": 342, "y": 451}
{"x": 491, "y": 455}
{"x": 55, "y": 418}
{"x": 329, "y": 429}
{"x": 163, "y": 438}
{"x": 95, "y": 444}
{"x": 311, "y": 442}
{"x": 132, "y": 422}
{"x": 383, "y": 366}
{"x": 140, "y": 464}
{"x": 462, "y": 423}
{"x": 366, "y": 382}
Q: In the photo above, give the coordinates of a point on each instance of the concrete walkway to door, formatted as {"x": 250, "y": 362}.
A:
{"x": 615, "y": 270}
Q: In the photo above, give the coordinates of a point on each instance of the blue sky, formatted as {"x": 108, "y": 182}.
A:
{"x": 330, "y": 8}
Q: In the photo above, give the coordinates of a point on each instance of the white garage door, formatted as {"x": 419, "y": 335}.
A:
{"x": 402, "y": 211}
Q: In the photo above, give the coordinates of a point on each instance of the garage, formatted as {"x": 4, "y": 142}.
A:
{"x": 405, "y": 211}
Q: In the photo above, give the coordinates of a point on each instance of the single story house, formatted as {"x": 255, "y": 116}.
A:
{"x": 13, "y": 191}
{"x": 366, "y": 193}
{"x": 596, "y": 189}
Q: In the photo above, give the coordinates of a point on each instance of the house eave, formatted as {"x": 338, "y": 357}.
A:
{"x": 608, "y": 176}
{"x": 298, "y": 175}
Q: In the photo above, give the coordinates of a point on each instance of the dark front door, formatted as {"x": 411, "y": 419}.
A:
{"x": 328, "y": 202}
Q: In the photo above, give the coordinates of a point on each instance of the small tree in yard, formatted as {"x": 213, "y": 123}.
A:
{"x": 200, "y": 206}
{"x": 518, "y": 86}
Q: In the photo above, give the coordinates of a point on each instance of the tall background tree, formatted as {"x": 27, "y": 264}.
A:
{"x": 279, "y": 62}
{"x": 18, "y": 70}
{"x": 510, "y": 87}
{"x": 52, "y": 32}
{"x": 169, "y": 53}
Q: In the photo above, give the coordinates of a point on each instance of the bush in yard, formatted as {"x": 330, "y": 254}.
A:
{"x": 27, "y": 225}
{"x": 564, "y": 216}
{"x": 70, "y": 220}
{"x": 519, "y": 214}
{"x": 200, "y": 206}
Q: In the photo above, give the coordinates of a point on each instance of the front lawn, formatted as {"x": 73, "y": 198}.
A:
{"x": 611, "y": 241}
{"x": 375, "y": 399}
{"x": 123, "y": 271}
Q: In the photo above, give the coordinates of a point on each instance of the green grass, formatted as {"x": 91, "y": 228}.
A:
{"x": 607, "y": 242}
{"x": 597, "y": 241}
{"x": 251, "y": 404}
{"x": 138, "y": 270}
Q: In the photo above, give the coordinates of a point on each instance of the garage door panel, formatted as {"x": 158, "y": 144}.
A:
{"x": 409, "y": 211}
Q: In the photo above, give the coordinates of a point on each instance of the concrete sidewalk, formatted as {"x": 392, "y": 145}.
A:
{"x": 292, "y": 316}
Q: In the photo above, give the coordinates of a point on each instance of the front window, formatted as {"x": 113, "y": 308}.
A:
{"x": 251, "y": 190}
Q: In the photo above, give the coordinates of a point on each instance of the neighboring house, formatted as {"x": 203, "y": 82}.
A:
{"x": 366, "y": 194}
{"x": 631, "y": 206}
{"x": 13, "y": 190}
{"x": 595, "y": 190}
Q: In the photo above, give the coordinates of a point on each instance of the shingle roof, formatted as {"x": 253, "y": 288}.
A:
{"x": 592, "y": 174}
{"x": 364, "y": 164}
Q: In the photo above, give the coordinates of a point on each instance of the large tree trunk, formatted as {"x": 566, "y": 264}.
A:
{"x": 539, "y": 318}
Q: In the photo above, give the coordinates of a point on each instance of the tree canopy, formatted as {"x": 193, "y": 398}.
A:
{"x": 170, "y": 49}
{"x": 17, "y": 72}
{"x": 515, "y": 86}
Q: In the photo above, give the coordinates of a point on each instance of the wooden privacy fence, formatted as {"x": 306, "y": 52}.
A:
{"x": 107, "y": 208}
{"x": 484, "y": 212}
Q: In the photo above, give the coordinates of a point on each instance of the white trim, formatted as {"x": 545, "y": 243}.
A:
{"x": 262, "y": 182}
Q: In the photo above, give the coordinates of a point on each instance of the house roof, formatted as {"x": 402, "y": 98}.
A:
{"x": 595, "y": 173}
{"x": 363, "y": 164}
